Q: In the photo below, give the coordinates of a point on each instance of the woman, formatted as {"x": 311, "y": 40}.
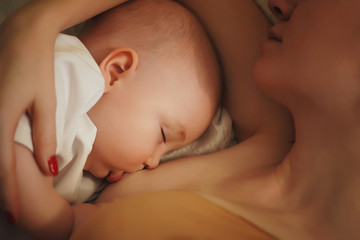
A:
{"x": 307, "y": 193}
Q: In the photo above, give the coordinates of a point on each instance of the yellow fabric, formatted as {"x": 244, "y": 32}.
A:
{"x": 166, "y": 215}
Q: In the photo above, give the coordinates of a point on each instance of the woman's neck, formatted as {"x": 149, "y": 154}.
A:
{"x": 327, "y": 140}
{"x": 322, "y": 173}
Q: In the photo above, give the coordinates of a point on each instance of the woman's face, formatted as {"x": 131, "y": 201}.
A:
{"x": 312, "y": 53}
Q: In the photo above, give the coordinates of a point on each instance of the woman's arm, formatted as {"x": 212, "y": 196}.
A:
{"x": 241, "y": 175}
{"x": 44, "y": 214}
{"x": 26, "y": 72}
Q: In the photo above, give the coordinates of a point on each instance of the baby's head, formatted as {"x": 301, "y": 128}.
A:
{"x": 162, "y": 84}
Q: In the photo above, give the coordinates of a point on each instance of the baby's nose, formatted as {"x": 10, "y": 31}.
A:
{"x": 152, "y": 162}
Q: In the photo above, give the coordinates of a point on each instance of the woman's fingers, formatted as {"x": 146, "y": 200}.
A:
{"x": 44, "y": 132}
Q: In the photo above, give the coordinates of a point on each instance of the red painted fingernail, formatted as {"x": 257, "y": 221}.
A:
{"x": 10, "y": 218}
{"x": 53, "y": 166}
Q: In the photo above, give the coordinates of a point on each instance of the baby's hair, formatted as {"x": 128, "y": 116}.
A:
{"x": 157, "y": 30}
{"x": 150, "y": 26}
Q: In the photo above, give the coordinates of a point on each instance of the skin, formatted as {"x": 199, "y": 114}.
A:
{"x": 311, "y": 192}
{"x": 144, "y": 115}
{"x": 151, "y": 98}
{"x": 47, "y": 18}
{"x": 227, "y": 177}
{"x": 209, "y": 175}
{"x": 57, "y": 219}
{"x": 323, "y": 164}
{"x": 135, "y": 98}
{"x": 39, "y": 15}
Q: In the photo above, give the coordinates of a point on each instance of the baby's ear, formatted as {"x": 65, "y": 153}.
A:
{"x": 119, "y": 64}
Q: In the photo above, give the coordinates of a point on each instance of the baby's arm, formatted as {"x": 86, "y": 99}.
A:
{"x": 44, "y": 214}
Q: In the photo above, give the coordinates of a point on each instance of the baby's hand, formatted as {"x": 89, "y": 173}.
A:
{"x": 26, "y": 84}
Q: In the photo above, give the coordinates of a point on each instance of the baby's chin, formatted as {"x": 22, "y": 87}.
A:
{"x": 98, "y": 174}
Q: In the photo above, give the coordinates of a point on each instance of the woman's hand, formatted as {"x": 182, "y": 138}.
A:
{"x": 26, "y": 83}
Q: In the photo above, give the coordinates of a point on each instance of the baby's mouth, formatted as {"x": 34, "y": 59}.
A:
{"x": 107, "y": 175}
{"x": 113, "y": 177}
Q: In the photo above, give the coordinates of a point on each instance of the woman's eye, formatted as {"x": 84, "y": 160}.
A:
{"x": 163, "y": 135}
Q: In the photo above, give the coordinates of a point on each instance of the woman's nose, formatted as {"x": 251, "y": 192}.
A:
{"x": 282, "y": 9}
{"x": 152, "y": 162}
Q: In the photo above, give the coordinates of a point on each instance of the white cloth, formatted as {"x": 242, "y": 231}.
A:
{"x": 79, "y": 85}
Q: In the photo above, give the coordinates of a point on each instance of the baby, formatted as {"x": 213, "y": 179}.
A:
{"x": 142, "y": 81}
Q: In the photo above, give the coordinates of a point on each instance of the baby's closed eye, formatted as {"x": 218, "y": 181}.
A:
{"x": 163, "y": 135}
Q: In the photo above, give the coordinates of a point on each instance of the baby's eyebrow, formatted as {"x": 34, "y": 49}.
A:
{"x": 176, "y": 131}
{"x": 180, "y": 130}
{"x": 182, "y": 134}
